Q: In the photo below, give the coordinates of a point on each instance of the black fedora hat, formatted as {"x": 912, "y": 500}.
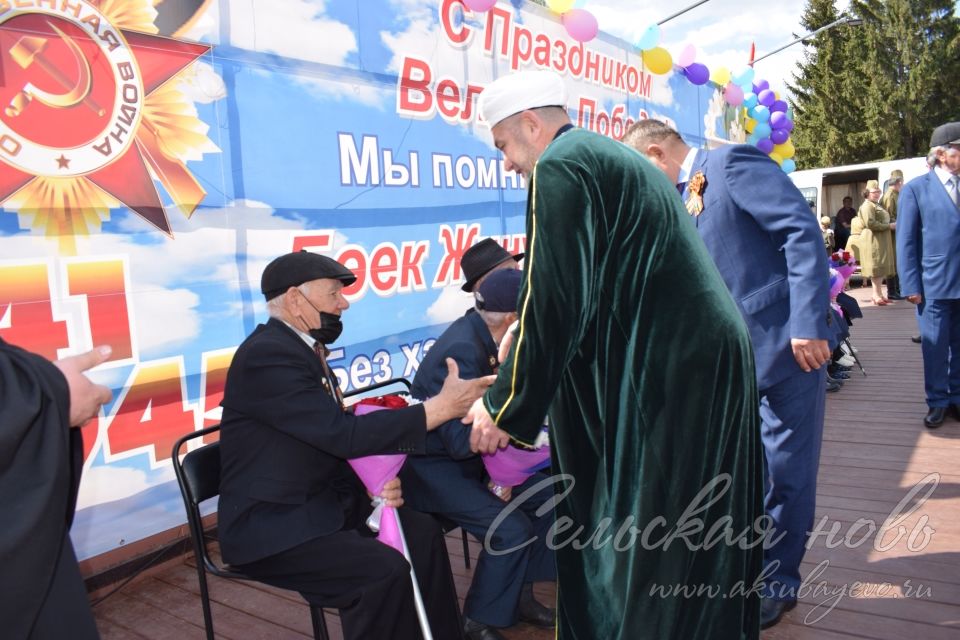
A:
{"x": 481, "y": 258}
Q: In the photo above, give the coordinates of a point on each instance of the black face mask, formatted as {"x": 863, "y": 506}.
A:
{"x": 330, "y": 326}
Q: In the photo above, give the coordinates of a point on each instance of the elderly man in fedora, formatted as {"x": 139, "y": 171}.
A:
{"x": 484, "y": 258}
{"x": 291, "y": 510}
{"x": 928, "y": 258}
{"x": 629, "y": 339}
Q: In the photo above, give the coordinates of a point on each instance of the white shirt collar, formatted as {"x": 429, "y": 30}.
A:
{"x": 942, "y": 175}
{"x": 306, "y": 337}
{"x": 687, "y": 166}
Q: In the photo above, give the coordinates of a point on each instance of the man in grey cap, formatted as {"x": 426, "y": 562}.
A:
{"x": 291, "y": 510}
{"x": 450, "y": 480}
{"x": 929, "y": 266}
{"x": 630, "y": 340}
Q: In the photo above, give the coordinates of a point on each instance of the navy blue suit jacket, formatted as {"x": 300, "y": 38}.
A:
{"x": 768, "y": 248}
{"x": 284, "y": 442}
{"x": 928, "y": 240}
{"x": 444, "y": 479}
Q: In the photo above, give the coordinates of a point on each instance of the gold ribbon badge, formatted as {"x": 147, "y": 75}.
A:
{"x": 695, "y": 188}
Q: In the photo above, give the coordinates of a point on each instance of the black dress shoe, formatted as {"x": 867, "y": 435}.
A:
{"x": 934, "y": 417}
{"x": 833, "y": 386}
{"x": 915, "y": 339}
{"x": 474, "y": 630}
{"x": 955, "y": 411}
{"x": 772, "y": 610}
{"x": 532, "y": 612}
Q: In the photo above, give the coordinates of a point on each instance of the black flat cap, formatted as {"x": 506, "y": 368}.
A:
{"x": 478, "y": 260}
{"x": 293, "y": 269}
{"x": 946, "y": 134}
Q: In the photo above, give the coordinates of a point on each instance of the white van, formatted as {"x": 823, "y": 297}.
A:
{"x": 826, "y": 188}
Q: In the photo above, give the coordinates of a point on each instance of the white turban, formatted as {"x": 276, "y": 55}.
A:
{"x": 520, "y": 91}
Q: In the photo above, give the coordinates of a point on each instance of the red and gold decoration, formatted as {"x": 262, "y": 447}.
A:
{"x": 91, "y": 117}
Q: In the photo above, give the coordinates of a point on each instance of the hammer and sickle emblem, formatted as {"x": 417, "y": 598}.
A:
{"x": 29, "y": 50}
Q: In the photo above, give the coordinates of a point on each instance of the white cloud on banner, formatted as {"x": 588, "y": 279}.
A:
{"x": 101, "y": 484}
{"x": 449, "y": 305}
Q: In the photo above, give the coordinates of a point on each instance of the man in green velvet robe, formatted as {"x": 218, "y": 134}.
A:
{"x": 631, "y": 343}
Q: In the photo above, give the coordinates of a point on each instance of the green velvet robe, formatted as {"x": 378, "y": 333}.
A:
{"x": 631, "y": 343}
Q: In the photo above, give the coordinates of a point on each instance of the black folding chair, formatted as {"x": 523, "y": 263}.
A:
{"x": 198, "y": 475}
{"x": 446, "y": 524}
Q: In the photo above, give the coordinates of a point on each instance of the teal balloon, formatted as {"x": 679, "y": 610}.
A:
{"x": 760, "y": 113}
{"x": 649, "y": 39}
{"x": 744, "y": 78}
{"x": 579, "y": 4}
{"x": 752, "y": 138}
{"x": 788, "y": 165}
{"x": 749, "y": 100}
{"x": 762, "y": 130}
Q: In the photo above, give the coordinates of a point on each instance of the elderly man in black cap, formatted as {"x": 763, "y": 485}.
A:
{"x": 928, "y": 259}
{"x": 291, "y": 510}
{"x": 450, "y": 480}
{"x": 484, "y": 258}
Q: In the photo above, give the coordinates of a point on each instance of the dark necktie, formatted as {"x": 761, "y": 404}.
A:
{"x": 329, "y": 380}
{"x": 680, "y": 187}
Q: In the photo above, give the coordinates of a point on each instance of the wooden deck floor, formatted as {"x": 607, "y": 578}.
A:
{"x": 904, "y": 583}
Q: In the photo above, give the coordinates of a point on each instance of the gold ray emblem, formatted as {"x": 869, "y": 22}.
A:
{"x": 695, "y": 188}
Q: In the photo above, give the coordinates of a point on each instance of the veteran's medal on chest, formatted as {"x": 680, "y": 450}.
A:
{"x": 695, "y": 190}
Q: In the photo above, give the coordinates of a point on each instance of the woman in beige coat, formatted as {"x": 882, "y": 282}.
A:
{"x": 875, "y": 241}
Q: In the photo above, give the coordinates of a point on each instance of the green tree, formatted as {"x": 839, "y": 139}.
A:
{"x": 876, "y": 91}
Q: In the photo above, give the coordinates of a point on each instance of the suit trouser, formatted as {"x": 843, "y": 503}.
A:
{"x": 791, "y": 424}
{"x": 369, "y": 582}
{"x": 498, "y": 578}
{"x": 940, "y": 343}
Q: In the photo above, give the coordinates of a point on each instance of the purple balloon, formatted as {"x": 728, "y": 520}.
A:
{"x": 765, "y": 145}
{"x": 766, "y": 97}
{"x": 779, "y": 105}
{"x": 779, "y": 136}
{"x": 697, "y": 73}
{"x": 788, "y": 127}
{"x": 778, "y": 119}
{"x": 761, "y": 85}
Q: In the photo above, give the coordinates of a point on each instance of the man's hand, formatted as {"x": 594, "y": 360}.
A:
{"x": 504, "y": 493}
{"x": 507, "y": 341}
{"x": 455, "y": 396}
{"x": 86, "y": 398}
{"x": 486, "y": 437}
{"x": 915, "y": 298}
{"x": 392, "y": 493}
{"x": 810, "y": 354}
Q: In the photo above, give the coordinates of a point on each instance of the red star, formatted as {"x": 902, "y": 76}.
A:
{"x": 128, "y": 178}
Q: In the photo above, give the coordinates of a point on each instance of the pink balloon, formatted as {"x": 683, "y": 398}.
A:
{"x": 687, "y": 56}
{"x": 479, "y": 5}
{"x": 580, "y": 24}
{"x": 733, "y": 95}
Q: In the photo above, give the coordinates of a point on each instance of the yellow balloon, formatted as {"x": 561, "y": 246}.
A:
{"x": 560, "y": 6}
{"x": 720, "y": 76}
{"x": 776, "y": 157}
{"x": 657, "y": 60}
{"x": 749, "y": 124}
{"x": 786, "y": 150}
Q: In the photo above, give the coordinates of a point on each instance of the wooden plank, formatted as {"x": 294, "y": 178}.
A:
{"x": 145, "y": 619}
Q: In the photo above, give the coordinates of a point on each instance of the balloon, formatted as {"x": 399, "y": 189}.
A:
{"x": 721, "y": 77}
{"x": 779, "y": 105}
{"x": 765, "y": 145}
{"x": 760, "y": 113}
{"x": 776, "y": 157}
{"x": 788, "y": 165}
{"x": 560, "y": 6}
{"x": 766, "y": 97}
{"x": 749, "y": 99}
{"x": 580, "y": 24}
{"x": 786, "y": 150}
{"x": 733, "y": 94}
{"x": 479, "y": 5}
{"x": 657, "y": 60}
{"x": 749, "y": 124}
{"x": 649, "y": 39}
{"x": 697, "y": 73}
{"x": 762, "y": 130}
{"x": 752, "y": 139}
{"x": 788, "y": 127}
{"x": 779, "y": 136}
{"x": 762, "y": 85}
{"x": 687, "y": 56}
{"x": 777, "y": 119}
{"x": 744, "y": 76}
{"x": 579, "y": 4}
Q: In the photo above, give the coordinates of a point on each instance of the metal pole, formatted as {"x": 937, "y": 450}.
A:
{"x": 835, "y": 23}
{"x": 682, "y": 11}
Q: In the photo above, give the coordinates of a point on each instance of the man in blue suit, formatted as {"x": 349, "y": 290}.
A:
{"x": 928, "y": 257}
{"x": 449, "y": 479}
{"x": 768, "y": 248}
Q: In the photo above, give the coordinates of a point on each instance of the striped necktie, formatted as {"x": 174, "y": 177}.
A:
{"x": 952, "y": 189}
